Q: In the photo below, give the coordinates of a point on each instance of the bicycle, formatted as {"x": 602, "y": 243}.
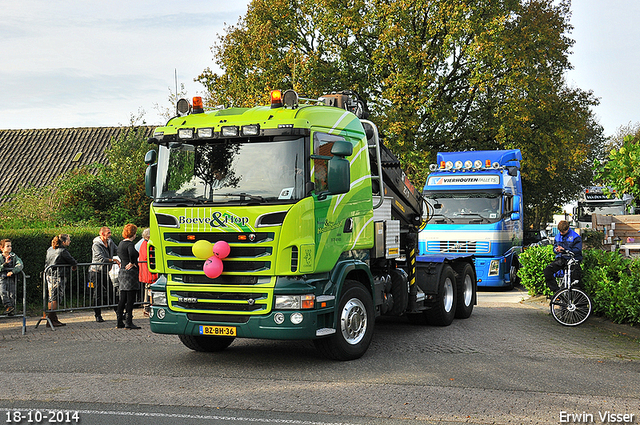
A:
{"x": 570, "y": 306}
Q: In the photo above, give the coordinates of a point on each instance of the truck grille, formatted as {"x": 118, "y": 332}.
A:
{"x": 229, "y": 266}
{"x": 241, "y": 302}
{"x": 469, "y": 247}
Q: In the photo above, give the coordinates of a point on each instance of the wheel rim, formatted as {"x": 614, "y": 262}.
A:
{"x": 353, "y": 321}
{"x": 468, "y": 291}
{"x": 571, "y": 310}
{"x": 447, "y": 299}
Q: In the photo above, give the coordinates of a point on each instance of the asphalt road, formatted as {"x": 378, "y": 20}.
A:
{"x": 510, "y": 363}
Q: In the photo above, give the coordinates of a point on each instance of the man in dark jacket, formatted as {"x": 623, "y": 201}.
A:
{"x": 103, "y": 250}
{"x": 566, "y": 240}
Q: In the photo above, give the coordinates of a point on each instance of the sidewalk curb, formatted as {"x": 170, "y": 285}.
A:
{"x": 622, "y": 329}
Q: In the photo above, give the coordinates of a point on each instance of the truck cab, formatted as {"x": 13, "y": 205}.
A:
{"x": 476, "y": 201}
{"x": 603, "y": 201}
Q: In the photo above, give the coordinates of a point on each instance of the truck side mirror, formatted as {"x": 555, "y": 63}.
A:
{"x": 338, "y": 175}
{"x": 515, "y": 216}
{"x": 342, "y": 149}
{"x": 150, "y": 179}
{"x": 151, "y": 172}
{"x": 150, "y": 157}
{"x": 516, "y": 204}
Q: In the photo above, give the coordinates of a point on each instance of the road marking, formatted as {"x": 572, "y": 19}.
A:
{"x": 182, "y": 416}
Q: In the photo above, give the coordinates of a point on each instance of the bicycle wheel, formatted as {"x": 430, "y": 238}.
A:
{"x": 570, "y": 307}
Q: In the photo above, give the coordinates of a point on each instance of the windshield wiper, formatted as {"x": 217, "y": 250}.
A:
{"x": 480, "y": 218}
{"x": 243, "y": 196}
{"x": 441, "y": 218}
{"x": 181, "y": 199}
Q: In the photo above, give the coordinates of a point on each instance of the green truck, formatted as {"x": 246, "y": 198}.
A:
{"x": 319, "y": 222}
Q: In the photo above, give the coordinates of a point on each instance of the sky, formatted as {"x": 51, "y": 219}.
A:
{"x": 85, "y": 63}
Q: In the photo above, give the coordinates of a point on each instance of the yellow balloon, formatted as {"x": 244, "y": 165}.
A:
{"x": 202, "y": 249}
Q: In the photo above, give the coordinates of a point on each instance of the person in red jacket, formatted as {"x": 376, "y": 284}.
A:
{"x": 145, "y": 276}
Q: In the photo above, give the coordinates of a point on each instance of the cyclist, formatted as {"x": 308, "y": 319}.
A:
{"x": 566, "y": 240}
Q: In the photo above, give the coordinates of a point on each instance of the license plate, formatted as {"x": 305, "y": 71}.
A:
{"x": 218, "y": 330}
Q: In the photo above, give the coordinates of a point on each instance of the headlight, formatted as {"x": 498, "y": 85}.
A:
{"x": 229, "y": 131}
{"x": 185, "y": 133}
{"x": 205, "y": 133}
{"x": 158, "y": 298}
{"x": 494, "y": 267}
{"x": 251, "y": 130}
{"x": 295, "y": 302}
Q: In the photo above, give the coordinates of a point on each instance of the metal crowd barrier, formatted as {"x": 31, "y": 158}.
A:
{"x": 80, "y": 289}
{"x": 14, "y": 290}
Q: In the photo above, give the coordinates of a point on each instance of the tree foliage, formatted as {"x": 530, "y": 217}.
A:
{"x": 621, "y": 169}
{"x": 437, "y": 75}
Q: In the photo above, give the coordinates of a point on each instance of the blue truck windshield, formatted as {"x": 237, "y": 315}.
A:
{"x": 270, "y": 171}
{"x": 465, "y": 208}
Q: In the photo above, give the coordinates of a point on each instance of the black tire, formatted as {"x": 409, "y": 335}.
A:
{"x": 399, "y": 291}
{"x": 570, "y": 307}
{"x": 443, "y": 311}
{"x": 466, "y": 291}
{"x": 355, "y": 322}
{"x": 208, "y": 344}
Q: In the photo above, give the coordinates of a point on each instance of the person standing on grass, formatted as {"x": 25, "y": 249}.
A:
{"x": 129, "y": 283}
{"x": 10, "y": 267}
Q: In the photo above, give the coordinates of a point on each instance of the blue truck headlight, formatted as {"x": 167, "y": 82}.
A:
{"x": 295, "y": 302}
{"x": 159, "y": 298}
{"x": 494, "y": 268}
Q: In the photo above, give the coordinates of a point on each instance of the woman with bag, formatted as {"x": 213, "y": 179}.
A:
{"x": 127, "y": 277}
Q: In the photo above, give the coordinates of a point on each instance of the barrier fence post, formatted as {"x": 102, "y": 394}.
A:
{"x": 81, "y": 289}
{"x": 13, "y": 289}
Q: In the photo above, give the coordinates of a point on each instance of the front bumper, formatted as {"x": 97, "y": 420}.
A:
{"x": 315, "y": 323}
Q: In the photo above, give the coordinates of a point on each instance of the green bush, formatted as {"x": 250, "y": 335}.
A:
{"x": 611, "y": 280}
{"x": 532, "y": 263}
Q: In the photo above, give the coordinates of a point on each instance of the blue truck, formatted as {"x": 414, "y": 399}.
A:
{"x": 476, "y": 198}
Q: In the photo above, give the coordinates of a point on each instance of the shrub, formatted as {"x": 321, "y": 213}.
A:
{"x": 611, "y": 280}
{"x": 533, "y": 261}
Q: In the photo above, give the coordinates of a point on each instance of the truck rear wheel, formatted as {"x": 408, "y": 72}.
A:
{"x": 355, "y": 325}
{"x": 466, "y": 290}
{"x": 444, "y": 309}
{"x": 207, "y": 344}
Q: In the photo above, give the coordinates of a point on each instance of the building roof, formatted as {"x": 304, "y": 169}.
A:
{"x": 37, "y": 157}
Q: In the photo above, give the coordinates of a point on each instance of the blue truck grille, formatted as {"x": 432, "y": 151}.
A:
{"x": 469, "y": 247}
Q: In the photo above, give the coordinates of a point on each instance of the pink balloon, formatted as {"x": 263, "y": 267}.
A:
{"x": 221, "y": 249}
{"x": 212, "y": 267}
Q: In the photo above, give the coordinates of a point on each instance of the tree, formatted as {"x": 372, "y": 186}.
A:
{"x": 437, "y": 75}
{"x": 621, "y": 170}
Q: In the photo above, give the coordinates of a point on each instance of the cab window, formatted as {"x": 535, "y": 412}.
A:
{"x": 322, "y": 144}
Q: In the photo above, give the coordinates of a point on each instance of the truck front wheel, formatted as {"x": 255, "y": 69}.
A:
{"x": 444, "y": 309}
{"x": 207, "y": 344}
{"x": 355, "y": 325}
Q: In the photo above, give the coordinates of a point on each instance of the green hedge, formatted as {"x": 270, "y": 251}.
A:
{"x": 611, "y": 280}
{"x": 31, "y": 246}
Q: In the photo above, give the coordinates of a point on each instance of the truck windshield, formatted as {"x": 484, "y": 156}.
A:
{"x": 462, "y": 208}
{"x": 586, "y": 211}
{"x": 238, "y": 172}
